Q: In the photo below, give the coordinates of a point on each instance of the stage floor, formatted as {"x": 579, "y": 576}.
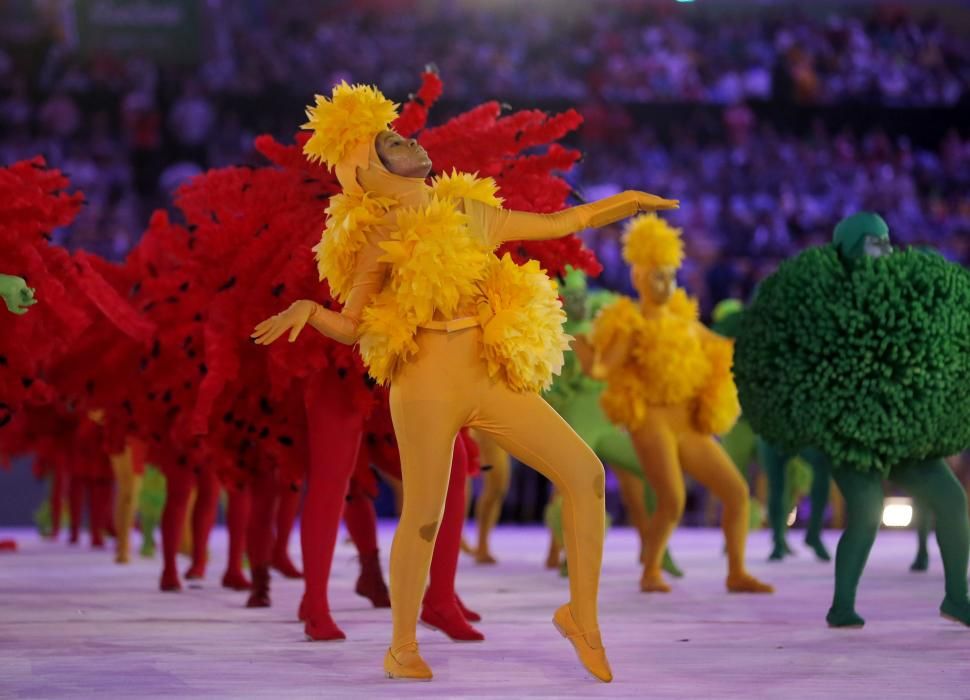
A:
{"x": 73, "y": 624}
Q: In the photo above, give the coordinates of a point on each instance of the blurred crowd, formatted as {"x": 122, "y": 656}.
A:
{"x": 128, "y": 131}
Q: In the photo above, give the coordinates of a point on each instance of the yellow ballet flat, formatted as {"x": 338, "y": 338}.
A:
{"x": 405, "y": 663}
{"x": 653, "y": 582}
{"x": 588, "y": 645}
{"x": 746, "y": 583}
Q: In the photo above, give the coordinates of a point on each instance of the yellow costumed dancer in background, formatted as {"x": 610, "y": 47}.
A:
{"x": 496, "y": 474}
{"x": 462, "y": 337}
{"x": 669, "y": 383}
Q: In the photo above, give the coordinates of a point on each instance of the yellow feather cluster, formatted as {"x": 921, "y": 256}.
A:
{"x": 523, "y": 339}
{"x": 435, "y": 262}
{"x": 717, "y": 407}
{"x": 387, "y": 337}
{"x": 458, "y": 185}
{"x": 651, "y": 242}
{"x": 684, "y": 306}
{"x": 435, "y": 266}
{"x": 350, "y": 218}
{"x": 671, "y": 362}
{"x": 354, "y": 114}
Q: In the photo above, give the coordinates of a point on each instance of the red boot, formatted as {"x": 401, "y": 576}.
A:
{"x": 371, "y": 584}
{"x": 469, "y": 615}
{"x": 449, "y": 620}
{"x": 322, "y": 628}
{"x": 283, "y": 564}
{"x": 170, "y": 581}
{"x": 259, "y": 598}
{"x": 236, "y": 580}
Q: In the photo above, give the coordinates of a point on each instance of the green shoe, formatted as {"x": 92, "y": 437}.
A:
{"x": 955, "y": 611}
{"x": 817, "y": 546}
{"x": 780, "y": 551}
{"x": 670, "y": 567}
{"x": 922, "y": 561}
{"x": 844, "y": 619}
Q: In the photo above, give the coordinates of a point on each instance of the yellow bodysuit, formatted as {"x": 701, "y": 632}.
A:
{"x": 445, "y": 385}
{"x": 669, "y": 384}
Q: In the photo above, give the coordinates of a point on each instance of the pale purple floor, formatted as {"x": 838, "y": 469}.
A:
{"x": 73, "y": 624}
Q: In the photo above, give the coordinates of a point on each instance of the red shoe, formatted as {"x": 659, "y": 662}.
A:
{"x": 283, "y": 564}
{"x": 259, "y": 598}
{"x": 371, "y": 584}
{"x": 451, "y": 622}
{"x": 97, "y": 541}
{"x": 236, "y": 580}
{"x": 195, "y": 572}
{"x": 322, "y": 628}
{"x": 469, "y": 615}
{"x": 170, "y": 582}
{"x": 8, "y": 545}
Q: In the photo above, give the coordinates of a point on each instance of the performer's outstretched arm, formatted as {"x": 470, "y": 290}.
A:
{"x": 502, "y": 225}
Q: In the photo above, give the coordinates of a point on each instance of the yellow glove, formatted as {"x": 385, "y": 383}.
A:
{"x": 293, "y": 320}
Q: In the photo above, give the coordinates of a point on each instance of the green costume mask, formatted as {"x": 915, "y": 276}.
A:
{"x": 862, "y": 234}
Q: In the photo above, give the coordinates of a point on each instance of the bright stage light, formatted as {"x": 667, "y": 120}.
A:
{"x": 897, "y": 512}
{"x": 792, "y": 516}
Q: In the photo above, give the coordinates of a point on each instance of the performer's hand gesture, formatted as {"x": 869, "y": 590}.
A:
{"x": 651, "y": 202}
{"x": 292, "y": 320}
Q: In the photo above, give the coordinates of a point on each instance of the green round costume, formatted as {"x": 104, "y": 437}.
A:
{"x": 576, "y": 396}
{"x": 862, "y": 353}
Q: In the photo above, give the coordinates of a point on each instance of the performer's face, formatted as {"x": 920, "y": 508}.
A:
{"x": 875, "y": 247}
{"x": 656, "y": 284}
{"x": 401, "y": 156}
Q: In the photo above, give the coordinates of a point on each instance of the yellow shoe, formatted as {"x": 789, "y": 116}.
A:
{"x": 406, "y": 663}
{"x": 653, "y": 582}
{"x": 746, "y": 583}
{"x": 588, "y": 645}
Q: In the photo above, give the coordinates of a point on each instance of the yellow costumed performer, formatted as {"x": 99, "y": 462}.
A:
{"x": 462, "y": 337}
{"x": 669, "y": 383}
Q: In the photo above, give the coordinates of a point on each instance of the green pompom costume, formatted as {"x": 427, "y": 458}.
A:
{"x": 862, "y": 353}
{"x": 576, "y": 396}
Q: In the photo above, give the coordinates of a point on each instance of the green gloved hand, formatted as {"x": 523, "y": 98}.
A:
{"x": 16, "y": 294}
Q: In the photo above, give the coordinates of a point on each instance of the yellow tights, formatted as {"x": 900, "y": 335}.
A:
{"x": 127, "y": 490}
{"x": 495, "y": 484}
{"x": 667, "y": 445}
{"x": 444, "y": 388}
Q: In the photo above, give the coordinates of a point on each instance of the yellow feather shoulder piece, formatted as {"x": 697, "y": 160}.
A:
{"x": 615, "y": 323}
{"x": 352, "y": 115}
{"x": 349, "y": 218}
{"x": 651, "y": 242}
{"x": 387, "y": 337}
{"x": 623, "y": 398}
{"x": 435, "y": 262}
{"x": 670, "y": 360}
{"x": 684, "y": 306}
{"x": 523, "y": 336}
{"x": 717, "y": 407}
{"x": 458, "y": 185}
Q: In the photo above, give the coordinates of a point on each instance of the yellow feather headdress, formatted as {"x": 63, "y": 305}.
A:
{"x": 352, "y": 116}
{"x": 652, "y": 242}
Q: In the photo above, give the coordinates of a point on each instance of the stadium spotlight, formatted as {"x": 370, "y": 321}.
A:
{"x": 897, "y": 512}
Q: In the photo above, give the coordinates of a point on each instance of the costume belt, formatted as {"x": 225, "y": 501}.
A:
{"x": 485, "y": 315}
